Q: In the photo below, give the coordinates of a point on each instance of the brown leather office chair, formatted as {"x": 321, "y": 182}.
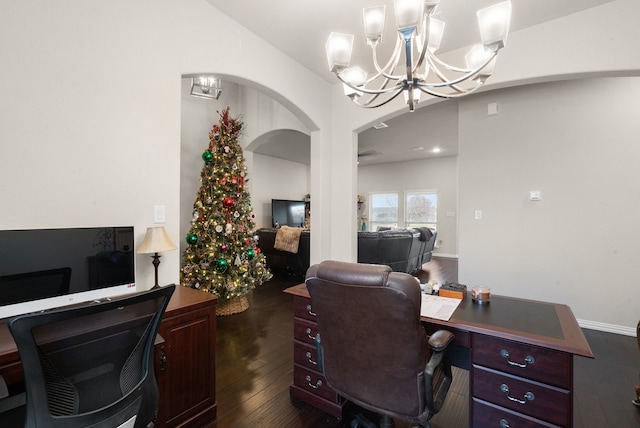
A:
{"x": 373, "y": 349}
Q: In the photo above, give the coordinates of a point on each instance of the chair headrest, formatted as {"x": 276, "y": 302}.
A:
{"x": 351, "y": 273}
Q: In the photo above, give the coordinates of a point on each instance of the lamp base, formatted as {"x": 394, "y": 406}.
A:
{"x": 156, "y": 262}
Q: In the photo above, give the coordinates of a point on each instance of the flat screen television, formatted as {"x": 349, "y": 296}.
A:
{"x": 45, "y": 268}
{"x": 287, "y": 213}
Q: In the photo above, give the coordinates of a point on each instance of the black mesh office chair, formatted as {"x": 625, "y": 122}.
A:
{"x": 91, "y": 365}
{"x": 372, "y": 347}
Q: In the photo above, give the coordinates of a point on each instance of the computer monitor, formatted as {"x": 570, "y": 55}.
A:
{"x": 46, "y": 268}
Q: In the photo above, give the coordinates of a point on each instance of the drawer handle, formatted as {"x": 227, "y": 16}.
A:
{"x": 528, "y": 360}
{"x": 309, "y": 310}
{"x": 163, "y": 358}
{"x": 504, "y": 423}
{"x": 528, "y": 396}
{"x": 309, "y": 334}
{"x": 310, "y": 359}
{"x": 317, "y": 385}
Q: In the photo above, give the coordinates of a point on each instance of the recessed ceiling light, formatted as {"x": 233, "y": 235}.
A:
{"x": 380, "y": 125}
{"x": 436, "y": 150}
{"x": 418, "y": 148}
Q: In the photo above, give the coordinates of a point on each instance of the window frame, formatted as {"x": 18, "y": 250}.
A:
{"x": 402, "y": 198}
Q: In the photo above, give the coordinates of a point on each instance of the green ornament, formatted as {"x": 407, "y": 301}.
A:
{"x": 251, "y": 253}
{"x": 191, "y": 239}
{"x": 222, "y": 265}
{"x": 207, "y": 156}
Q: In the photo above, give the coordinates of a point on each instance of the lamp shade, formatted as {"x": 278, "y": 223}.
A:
{"x": 156, "y": 241}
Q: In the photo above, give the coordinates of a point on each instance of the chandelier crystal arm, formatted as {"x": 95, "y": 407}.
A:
{"x": 368, "y": 103}
{"x": 361, "y": 88}
{"x": 432, "y": 59}
{"x": 429, "y": 91}
{"x": 391, "y": 65}
{"x": 469, "y": 73}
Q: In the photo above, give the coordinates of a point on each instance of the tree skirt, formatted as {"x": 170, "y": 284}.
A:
{"x": 234, "y": 306}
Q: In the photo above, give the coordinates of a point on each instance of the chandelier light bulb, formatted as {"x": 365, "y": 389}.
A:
{"x": 339, "y": 48}
{"x": 409, "y": 13}
{"x": 373, "y": 20}
{"x": 494, "y": 25}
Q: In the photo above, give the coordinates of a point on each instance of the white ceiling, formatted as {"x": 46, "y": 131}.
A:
{"x": 300, "y": 29}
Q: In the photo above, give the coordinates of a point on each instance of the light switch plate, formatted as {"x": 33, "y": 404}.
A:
{"x": 158, "y": 214}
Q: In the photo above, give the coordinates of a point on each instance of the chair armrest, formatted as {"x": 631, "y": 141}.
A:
{"x": 437, "y": 385}
{"x": 440, "y": 340}
{"x": 438, "y": 343}
{"x": 319, "y": 353}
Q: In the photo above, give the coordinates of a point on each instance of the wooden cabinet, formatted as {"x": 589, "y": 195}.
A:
{"x": 515, "y": 384}
{"x": 309, "y": 385}
{"x": 185, "y": 360}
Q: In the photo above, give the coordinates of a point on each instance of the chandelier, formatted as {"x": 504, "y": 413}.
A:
{"x": 418, "y": 37}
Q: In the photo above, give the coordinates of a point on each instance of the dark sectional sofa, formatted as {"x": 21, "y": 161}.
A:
{"x": 283, "y": 261}
{"x": 402, "y": 250}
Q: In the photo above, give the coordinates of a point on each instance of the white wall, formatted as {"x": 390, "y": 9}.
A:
{"x": 577, "y": 143}
{"x": 90, "y": 108}
{"x": 440, "y": 174}
{"x": 275, "y": 178}
{"x": 267, "y": 177}
{"x": 197, "y": 116}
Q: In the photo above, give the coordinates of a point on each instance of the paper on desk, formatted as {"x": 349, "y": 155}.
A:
{"x": 438, "y": 307}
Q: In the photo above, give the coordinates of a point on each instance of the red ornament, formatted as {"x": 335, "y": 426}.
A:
{"x": 228, "y": 202}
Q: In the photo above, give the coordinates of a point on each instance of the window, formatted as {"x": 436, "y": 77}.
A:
{"x": 383, "y": 210}
{"x": 403, "y": 209}
{"x": 421, "y": 209}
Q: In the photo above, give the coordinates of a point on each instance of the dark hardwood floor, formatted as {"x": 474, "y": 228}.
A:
{"x": 254, "y": 368}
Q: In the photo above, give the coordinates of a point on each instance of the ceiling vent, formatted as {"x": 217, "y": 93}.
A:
{"x": 380, "y": 125}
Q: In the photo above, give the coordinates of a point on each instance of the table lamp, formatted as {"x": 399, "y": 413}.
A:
{"x": 156, "y": 241}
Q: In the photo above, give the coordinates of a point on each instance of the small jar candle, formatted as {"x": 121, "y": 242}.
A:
{"x": 481, "y": 294}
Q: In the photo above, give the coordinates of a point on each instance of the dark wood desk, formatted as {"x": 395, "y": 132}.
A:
{"x": 519, "y": 354}
{"x": 184, "y": 360}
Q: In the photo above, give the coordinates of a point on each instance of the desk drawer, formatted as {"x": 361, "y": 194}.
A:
{"x": 313, "y": 382}
{"x": 305, "y": 355}
{"x": 522, "y": 396}
{"x": 12, "y": 373}
{"x": 302, "y": 309}
{"x": 486, "y": 415}
{"x": 532, "y": 362}
{"x": 305, "y": 331}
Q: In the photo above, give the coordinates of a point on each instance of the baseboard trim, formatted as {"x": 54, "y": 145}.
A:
{"x": 608, "y": 328}
{"x": 445, "y": 255}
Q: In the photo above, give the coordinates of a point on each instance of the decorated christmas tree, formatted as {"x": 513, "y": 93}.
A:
{"x": 222, "y": 256}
